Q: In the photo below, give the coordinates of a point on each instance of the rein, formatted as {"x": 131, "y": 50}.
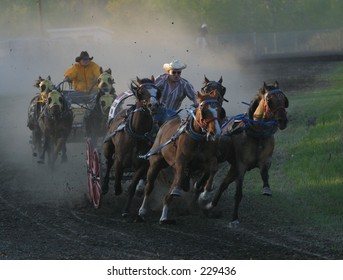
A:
{"x": 190, "y": 128}
{"x": 148, "y": 136}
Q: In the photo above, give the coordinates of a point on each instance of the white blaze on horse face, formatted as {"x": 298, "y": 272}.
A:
{"x": 214, "y": 110}
{"x": 153, "y": 95}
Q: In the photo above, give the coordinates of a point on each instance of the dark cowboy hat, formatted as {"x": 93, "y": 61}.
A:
{"x": 83, "y": 55}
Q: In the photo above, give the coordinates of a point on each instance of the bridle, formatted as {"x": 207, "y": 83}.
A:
{"x": 281, "y": 103}
{"x": 213, "y": 85}
{"x": 152, "y": 90}
{"x": 204, "y": 123}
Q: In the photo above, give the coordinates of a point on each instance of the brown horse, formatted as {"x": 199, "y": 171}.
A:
{"x": 191, "y": 147}
{"x": 55, "y": 122}
{"x": 209, "y": 86}
{"x": 35, "y": 108}
{"x": 249, "y": 143}
{"x": 96, "y": 117}
{"x": 130, "y": 134}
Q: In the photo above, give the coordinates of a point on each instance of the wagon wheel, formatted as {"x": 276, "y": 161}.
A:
{"x": 89, "y": 170}
{"x": 96, "y": 178}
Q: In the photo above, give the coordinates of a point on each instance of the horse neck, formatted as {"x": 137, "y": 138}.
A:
{"x": 197, "y": 121}
{"x": 141, "y": 120}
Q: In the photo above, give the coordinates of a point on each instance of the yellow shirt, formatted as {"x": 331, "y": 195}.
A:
{"x": 83, "y": 78}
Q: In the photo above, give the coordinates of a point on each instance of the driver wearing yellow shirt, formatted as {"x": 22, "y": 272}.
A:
{"x": 83, "y": 74}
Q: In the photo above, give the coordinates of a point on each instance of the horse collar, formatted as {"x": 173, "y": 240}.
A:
{"x": 199, "y": 136}
{"x": 148, "y": 136}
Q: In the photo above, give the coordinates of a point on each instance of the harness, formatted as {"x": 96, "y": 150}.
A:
{"x": 148, "y": 136}
{"x": 188, "y": 127}
{"x": 127, "y": 127}
{"x": 66, "y": 112}
{"x": 251, "y": 127}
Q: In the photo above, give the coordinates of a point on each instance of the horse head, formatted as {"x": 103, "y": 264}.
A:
{"x": 147, "y": 93}
{"x": 45, "y": 86}
{"x": 208, "y": 86}
{"x": 105, "y": 81}
{"x": 272, "y": 105}
{"x": 106, "y": 93}
{"x": 208, "y": 114}
{"x": 55, "y": 102}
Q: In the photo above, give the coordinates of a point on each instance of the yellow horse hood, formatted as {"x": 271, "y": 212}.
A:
{"x": 55, "y": 99}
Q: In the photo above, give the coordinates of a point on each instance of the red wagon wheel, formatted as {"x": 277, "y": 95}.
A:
{"x": 89, "y": 170}
{"x": 96, "y": 178}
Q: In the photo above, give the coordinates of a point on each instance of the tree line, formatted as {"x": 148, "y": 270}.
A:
{"x": 20, "y": 17}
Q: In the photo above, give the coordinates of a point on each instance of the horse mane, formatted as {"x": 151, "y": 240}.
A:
{"x": 254, "y": 104}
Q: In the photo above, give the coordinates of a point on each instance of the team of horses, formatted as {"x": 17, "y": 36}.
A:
{"x": 137, "y": 141}
{"x": 50, "y": 117}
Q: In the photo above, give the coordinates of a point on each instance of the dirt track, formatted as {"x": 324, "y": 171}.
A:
{"x": 47, "y": 215}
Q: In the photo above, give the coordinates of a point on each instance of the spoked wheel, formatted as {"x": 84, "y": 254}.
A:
{"x": 89, "y": 170}
{"x": 96, "y": 178}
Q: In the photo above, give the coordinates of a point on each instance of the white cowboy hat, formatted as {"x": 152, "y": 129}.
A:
{"x": 174, "y": 65}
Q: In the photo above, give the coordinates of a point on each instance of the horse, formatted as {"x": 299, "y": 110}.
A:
{"x": 191, "y": 147}
{"x": 34, "y": 110}
{"x": 95, "y": 118}
{"x": 55, "y": 122}
{"x": 131, "y": 133}
{"x": 249, "y": 143}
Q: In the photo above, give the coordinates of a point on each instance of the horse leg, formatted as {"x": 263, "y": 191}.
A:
{"x": 60, "y": 147}
{"x": 108, "y": 150}
{"x": 46, "y": 147}
{"x": 265, "y": 178}
{"x": 64, "y": 152}
{"x": 132, "y": 188}
{"x": 56, "y": 148}
{"x": 36, "y": 142}
{"x": 157, "y": 163}
{"x": 179, "y": 177}
{"x": 140, "y": 186}
{"x": 198, "y": 185}
{"x": 229, "y": 178}
{"x": 118, "y": 175}
{"x": 238, "y": 198}
{"x": 175, "y": 190}
{"x": 205, "y": 195}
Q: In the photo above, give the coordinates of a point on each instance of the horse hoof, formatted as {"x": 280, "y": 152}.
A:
{"x": 234, "y": 224}
{"x": 64, "y": 159}
{"x": 40, "y": 161}
{"x": 34, "y": 154}
{"x": 267, "y": 191}
{"x": 139, "y": 219}
{"x": 124, "y": 214}
{"x": 167, "y": 222}
{"x": 176, "y": 192}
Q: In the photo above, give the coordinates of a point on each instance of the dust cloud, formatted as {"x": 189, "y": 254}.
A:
{"x": 135, "y": 51}
{"x": 132, "y": 51}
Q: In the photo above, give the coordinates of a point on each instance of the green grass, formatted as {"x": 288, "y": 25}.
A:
{"x": 309, "y": 155}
